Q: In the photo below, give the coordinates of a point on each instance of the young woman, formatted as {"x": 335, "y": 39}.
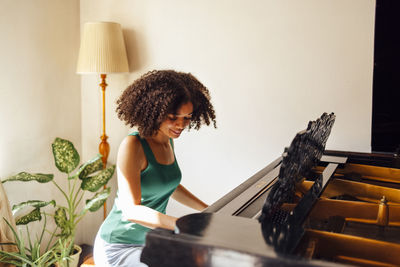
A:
{"x": 161, "y": 104}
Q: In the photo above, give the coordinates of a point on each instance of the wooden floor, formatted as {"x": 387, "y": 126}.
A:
{"x": 86, "y": 259}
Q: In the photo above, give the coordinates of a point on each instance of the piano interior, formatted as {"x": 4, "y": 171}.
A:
{"x": 356, "y": 219}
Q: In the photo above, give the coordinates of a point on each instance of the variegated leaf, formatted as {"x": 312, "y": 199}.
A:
{"x": 60, "y": 217}
{"x": 92, "y": 166}
{"x": 94, "y": 183}
{"x": 34, "y": 215}
{"x": 26, "y": 177}
{"x": 65, "y": 155}
{"x": 97, "y": 201}
{"x": 32, "y": 203}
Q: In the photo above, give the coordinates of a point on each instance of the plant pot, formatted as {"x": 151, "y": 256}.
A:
{"x": 74, "y": 257}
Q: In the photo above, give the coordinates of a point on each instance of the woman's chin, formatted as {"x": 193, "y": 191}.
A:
{"x": 174, "y": 134}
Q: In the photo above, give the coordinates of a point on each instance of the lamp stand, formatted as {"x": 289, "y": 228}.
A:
{"x": 104, "y": 147}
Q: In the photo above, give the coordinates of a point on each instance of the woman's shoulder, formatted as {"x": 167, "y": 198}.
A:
{"x": 134, "y": 134}
{"x": 131, "y": 152}
{"x": 131, "y": 146}
{"x": 131, "y": 142}
{"x": 131, "y": 158}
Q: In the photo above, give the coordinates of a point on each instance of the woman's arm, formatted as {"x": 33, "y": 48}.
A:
{"x": 182, "y": 195}
{"x": 149, "y": 217}
{"x": 130, "y": 162}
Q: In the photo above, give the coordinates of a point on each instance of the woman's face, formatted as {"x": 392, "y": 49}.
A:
{"x": 176, "y": 123}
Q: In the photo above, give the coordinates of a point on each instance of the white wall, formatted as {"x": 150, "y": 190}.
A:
{"x": 271, "y": 66}
{"x": 39, "y": 90}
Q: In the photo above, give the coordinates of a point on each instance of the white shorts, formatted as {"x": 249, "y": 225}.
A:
{"x": 113, "y": 255}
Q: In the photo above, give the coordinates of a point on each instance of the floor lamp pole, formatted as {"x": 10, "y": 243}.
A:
{"x": 104, "y": 147}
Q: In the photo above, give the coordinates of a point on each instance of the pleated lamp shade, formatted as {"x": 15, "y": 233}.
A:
{"x": 102, "y": 49}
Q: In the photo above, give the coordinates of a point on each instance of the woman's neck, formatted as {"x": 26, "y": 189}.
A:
{"x": 160, "y": 138}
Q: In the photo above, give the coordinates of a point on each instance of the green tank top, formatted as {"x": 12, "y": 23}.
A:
{"x": 158, "y": 182}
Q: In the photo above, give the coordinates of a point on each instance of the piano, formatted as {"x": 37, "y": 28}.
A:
{"x": 309, "y": 207}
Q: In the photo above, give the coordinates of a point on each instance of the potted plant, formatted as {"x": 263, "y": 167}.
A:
{"x": 89, "y": 177}
{"x": 29, "y": 253}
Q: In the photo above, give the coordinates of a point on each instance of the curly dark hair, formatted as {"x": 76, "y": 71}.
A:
{"x": 148, "y": 100}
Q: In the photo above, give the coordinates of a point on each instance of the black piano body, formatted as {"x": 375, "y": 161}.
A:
{"x": 345, "y": 212}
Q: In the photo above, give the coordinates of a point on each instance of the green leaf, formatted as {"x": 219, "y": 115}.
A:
{"x": 24, "y": 256}
{"x": 26, "y": 177}
{"x": 46, "y": 259}
{"x": 65, "y": 155}
{"x": 94, "y": 183}
{"x": 32, "y": 203}
{"x": 15, "y": 258}
{"x": 16, "y": 237}
{"x": 34, "y": 215}
{"x": 60, "y": 217}
{"x": 97, "y": 201}
{"x": 93, "y": 165}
